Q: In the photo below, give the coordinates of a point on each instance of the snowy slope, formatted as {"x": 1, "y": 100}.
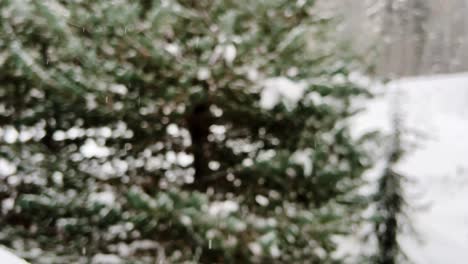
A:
{"x": 435, "y": 108}
{"x": 6, "y": 257}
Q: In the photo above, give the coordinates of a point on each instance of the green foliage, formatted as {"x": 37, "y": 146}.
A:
{"x": 141, "y": 130}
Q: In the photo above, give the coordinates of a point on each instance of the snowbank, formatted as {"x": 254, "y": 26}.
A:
{"x": 435, "y": 112}
{"x": 7, "y": 257}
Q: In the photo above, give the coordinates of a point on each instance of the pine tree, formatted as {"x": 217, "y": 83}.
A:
{"x": 138, "y": 129}
{"x": 390, "y": 201}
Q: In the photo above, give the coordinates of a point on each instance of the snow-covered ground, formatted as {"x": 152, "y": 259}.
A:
{"x": 6, "y": 257}
{"x": 435, "y": 113}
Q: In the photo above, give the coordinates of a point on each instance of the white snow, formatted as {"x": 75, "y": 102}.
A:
{"x": 214, "y": 165}
{"x": 435, "y": 107}
{"x": 9, "y": 258}
{"x": 57, "y": 8}
{"x": 261, "y": 200}
{"x": 105, "y": 198}
{"x": 7, "y": 168}
{"x": 184, "y": 159}
{"x": 118, "y": 88}
{"x": 106, "y": 259}
{"x": 172, "y": 129}
{"x": 304, "y": 158}
{"x": 217, "y": 129}
{"x": 223, "y": 208}
{"x": 10, "y": 134}
{"x": 275, "y": 251}
{"x": 255, "y": 248}
{"x": 203, "y": 74}
{"x": 93, "y": 149}
{"x": 229, "y": 53}
{"x": 173, "y": 49}
{"x": 281, "y": 89}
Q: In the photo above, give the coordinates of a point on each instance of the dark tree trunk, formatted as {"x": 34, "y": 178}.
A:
{"x": 199, "y": 122}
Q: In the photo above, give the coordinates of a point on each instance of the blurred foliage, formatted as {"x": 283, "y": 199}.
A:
{"x": 135, "y": 129}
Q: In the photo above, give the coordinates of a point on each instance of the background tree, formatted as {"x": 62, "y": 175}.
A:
{"x": 202, "y": 131}
{"x": 390, "y": 201}
{"x": 426, "y": 37}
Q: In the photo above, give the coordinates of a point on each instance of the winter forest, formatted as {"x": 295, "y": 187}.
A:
{"x": 211, "y": 131}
